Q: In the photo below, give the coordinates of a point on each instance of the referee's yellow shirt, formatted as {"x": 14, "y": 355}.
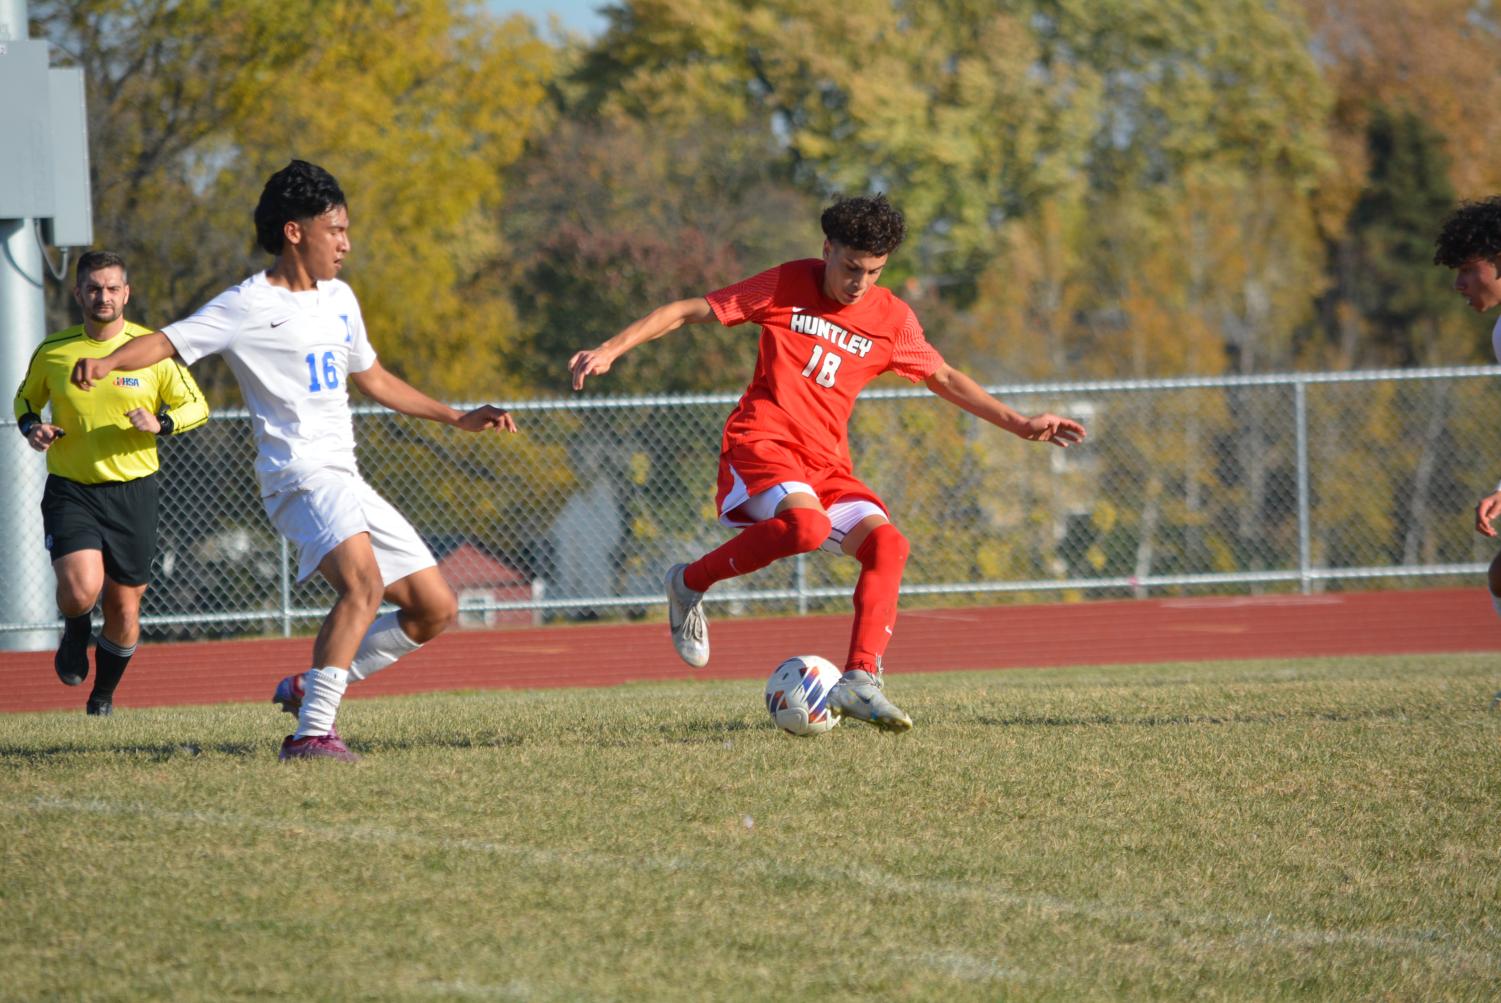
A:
{"x": 101, "y": 445}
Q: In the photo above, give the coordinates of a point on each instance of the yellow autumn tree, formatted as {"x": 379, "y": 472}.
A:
{"x": 417, "y": 107}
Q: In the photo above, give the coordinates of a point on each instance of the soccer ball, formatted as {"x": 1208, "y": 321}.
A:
{"x": 797, "y": 695}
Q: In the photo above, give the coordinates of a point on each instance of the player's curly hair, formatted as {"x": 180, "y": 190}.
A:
{"x": 865, "y": 223}
{"x": 299, "y": 190}
{"x": 1473, "y": 230}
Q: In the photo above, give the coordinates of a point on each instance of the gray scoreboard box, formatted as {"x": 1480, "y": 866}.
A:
{"x": 44, "y": 149}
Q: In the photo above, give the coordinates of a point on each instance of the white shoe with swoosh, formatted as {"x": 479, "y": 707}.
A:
{"x": 685, "y": 615}
{"x": 860, "y": 695}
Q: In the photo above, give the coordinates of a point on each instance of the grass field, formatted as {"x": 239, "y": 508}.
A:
{"x": 1257, "y": 831}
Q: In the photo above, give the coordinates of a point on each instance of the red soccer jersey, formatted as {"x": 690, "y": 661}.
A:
{"x": 816, "y": 355}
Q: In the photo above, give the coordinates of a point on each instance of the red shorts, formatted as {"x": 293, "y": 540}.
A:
{"x": 752, "y": 467}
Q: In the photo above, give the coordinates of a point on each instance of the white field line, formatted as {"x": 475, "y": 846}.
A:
{"x": 963, "y": 967}
{"x": 1265, "y": 931}
{"x": 519, "y": 991}
{"x": 967, "y": 967}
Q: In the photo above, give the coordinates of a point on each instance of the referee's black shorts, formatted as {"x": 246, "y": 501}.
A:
{"x": 116, "y": 517}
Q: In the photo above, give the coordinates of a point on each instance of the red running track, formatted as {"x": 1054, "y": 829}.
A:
{"x": 930, "y": 640}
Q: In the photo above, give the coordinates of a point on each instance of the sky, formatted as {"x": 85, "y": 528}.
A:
{"x": 576, "y": 15}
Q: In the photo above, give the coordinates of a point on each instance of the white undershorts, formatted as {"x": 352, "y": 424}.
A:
{"x": 330, "y": 506}
{"x": 844, "y": 515}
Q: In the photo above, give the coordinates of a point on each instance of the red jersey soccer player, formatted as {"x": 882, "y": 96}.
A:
{"x": 784, "y": 465}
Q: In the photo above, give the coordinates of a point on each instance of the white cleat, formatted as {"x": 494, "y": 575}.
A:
{"x": 860, "y": 695}
{"x": 685, "y": 615}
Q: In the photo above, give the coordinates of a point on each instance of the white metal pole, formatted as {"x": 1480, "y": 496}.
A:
{"x": 28, "y": 596}
{"x": 1305, "y": 556}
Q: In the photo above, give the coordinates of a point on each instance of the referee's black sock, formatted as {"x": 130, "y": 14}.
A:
{"x": 110, "y": 660}
{"x": 72, "y": 658}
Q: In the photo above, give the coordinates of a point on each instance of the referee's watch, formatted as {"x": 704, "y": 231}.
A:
{"x": 26, "y": 423}
{"x": 167, "y": 423}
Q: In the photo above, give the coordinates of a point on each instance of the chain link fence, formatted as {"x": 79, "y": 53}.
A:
{"x": 1190, "y": 486}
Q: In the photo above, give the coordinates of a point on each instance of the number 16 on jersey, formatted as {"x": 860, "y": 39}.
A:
{"x": 330, "y": 372}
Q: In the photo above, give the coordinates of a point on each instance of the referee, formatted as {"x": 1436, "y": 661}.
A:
{"x": 99, "y": 507}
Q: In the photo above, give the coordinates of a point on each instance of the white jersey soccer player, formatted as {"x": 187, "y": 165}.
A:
{"x": 1469, "y": 241}
{"x": 295, "y": 338}
{"x": 292, "y": 353}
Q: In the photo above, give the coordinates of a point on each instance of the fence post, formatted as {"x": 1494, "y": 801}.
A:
{"x": 286, "y": 592}
{"x": 802, "y": 585}
{"x": 1305, "y": 561}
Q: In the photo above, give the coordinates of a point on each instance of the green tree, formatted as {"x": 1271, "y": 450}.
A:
{"x": 1388, "y": 304}
{"x": 975, "y": 113}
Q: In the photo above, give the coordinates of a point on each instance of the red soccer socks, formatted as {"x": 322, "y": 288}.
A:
{"x": 882, "y": 557}
{"x": 791, "y": 531}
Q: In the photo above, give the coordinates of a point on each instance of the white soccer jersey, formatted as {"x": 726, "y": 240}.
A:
{"x": 292, "y": 354}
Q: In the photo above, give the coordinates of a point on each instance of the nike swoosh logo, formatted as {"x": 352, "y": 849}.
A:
{"x": 798, "y": 309}
{"x": 284, "y": 320}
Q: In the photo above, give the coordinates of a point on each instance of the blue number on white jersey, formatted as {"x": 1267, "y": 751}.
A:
{"x": 330, "y": 372}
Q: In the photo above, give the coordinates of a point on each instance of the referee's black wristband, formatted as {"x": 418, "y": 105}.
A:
{"x": 26, "y": 423}
{"x": 167, "y": 423}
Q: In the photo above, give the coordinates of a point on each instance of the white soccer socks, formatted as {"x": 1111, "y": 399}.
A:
{"x": 382, "y": 644}
{"x": 324, "y": 688}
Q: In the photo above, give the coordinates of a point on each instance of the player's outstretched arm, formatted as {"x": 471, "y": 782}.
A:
{"x": 138, "y": 353}
{"x": 389, "y": 390}
{"x": 597, "y": 361}
{"x": 1486, "y": 513}
{"x": 958, "y": 389}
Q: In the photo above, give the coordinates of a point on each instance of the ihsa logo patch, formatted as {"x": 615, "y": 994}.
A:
{"x": 127, "y": 381}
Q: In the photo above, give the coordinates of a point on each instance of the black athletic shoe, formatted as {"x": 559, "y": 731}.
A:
{"x": 72, "y": 658}
{"x": 99, "y": 708}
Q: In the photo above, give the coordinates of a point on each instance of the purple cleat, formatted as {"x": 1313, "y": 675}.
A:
{"x": 329, "y": 746}
{"x": 289, "y": 693}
